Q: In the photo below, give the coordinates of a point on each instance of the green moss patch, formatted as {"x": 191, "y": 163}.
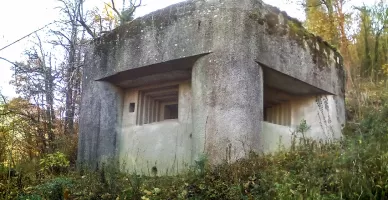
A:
{"x": 320, "y": 50}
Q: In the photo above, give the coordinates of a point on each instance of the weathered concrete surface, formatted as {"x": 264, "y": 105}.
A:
{"x": 227, "y": 105}
{"x": 274, "y": 137}
{"x": 225, "y": 46}
{"x": 320, "y": 112}
{"x": 165, "y": 145}
{"x": 196, "y": 27}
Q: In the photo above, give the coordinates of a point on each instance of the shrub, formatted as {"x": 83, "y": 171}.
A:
{"x": 355, "y": 167}
{"x": 54, "y": 163}
{"x": 67, "y": 144}
{"x": 55, "y": 189}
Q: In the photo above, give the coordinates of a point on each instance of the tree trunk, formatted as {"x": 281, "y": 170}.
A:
{"x": 69, "y": 117}
{"x": 376, "y": 56}
{"x": 344, "y": 42}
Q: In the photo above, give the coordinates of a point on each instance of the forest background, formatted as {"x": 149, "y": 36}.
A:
{"x": 39, "y": 122}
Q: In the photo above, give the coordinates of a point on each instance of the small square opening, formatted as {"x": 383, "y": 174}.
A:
{"x": 171, "y": 111}
{"x": 132, "y": 107}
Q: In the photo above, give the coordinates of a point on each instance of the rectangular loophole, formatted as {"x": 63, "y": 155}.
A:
{"x": 157, "y": 104}
{"x": 132, "y": 107}
{"x": 277, "y": 106}
{"x": 171, "y": 111}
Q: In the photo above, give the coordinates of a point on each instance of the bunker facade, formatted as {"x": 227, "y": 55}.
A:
{"x": 219, "y": 78}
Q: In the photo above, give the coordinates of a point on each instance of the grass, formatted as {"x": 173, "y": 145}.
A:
{"x": 355, "y": 167}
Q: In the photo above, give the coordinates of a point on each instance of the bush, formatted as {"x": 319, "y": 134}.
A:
{"x": 67, "y": 144}
{"x": 55, "y": 189}
{"x": 54, "y": 163}
{"x": 354, "y": 168}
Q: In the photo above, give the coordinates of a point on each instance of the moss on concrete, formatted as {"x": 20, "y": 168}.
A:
{"x": 256, "y": 16}
{"x": 272, "y": 20}
{"x": 280, "y": 24}
{"x": 157, "y": 19}
{"x": 275, "y": 21}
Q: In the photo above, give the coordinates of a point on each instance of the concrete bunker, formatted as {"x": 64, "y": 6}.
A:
{"x": 206, "y": 77}
{"x": 288, "y": 101}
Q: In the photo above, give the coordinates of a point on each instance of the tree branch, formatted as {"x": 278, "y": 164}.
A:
{"x": 114, "y": 9}
{"x": 1, "y": 58}
{"x": 82, "y": 22}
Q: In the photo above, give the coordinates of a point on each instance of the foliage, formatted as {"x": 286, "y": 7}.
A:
{"x": 371, "y": 43}
{"x": 67, "y": 144}
{"x": 200, "y": 165}
{"x": 33, "y": 127}
{"x": 352, "y": 168}
{"x": 359, "y": 33}
{"x": 54, "y": 163}
{"x": 54, "y": 189}
{"x": 44, "y": 118}
{"x": 21, "y": 131}
{"x": 128, "y": 9}
{"x": 321, "y": 20}
{"x": 302, "y": 128}
{"x": 365, "y": 98}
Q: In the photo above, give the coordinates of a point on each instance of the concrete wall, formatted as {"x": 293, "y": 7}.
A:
{"x": 227, "y": 106}
{"x": 100, "y": 117}
{"x": 274, "y": 137}
{"x": 197, "y": 27}
{"x": 324, "y": 113}
{"x": 166, "y": 144}
{"x": 321, "y": 113}
{"x": 224, "y": 45}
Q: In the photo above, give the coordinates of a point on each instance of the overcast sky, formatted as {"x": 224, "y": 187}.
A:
{"x": 20, "y": 17}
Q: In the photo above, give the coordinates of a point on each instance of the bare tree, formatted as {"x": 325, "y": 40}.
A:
{"x": 71, "y": 36}
{"x": 35, "y": 81}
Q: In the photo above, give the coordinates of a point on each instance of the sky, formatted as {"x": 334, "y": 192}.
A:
{"x": 20, "y": 17}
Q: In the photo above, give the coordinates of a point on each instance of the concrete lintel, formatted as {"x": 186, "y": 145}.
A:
{"x": 180, "y": 64}
{"x": 286, "y": 83}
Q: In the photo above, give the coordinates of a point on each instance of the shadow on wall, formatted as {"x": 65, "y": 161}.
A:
{"x": 282, "y": 120}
